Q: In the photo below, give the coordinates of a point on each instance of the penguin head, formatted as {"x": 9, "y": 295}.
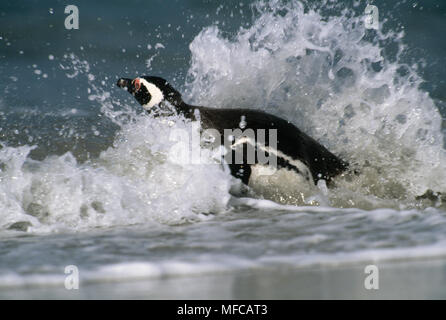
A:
{"x": 151, "y": 91}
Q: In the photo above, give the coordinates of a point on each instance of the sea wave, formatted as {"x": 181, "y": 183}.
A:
{"x": 326, "y": 73}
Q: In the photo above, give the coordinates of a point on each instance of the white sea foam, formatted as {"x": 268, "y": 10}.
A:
{"x": 221, "y": 263}
{"x": 133, "y": 182}
{"x": 318, "y": 72}
{"x": 321, "y": 73}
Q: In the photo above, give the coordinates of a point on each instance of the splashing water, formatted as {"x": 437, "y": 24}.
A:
{"x": 321, "y": 73}
{"x": 325, "y": 76}
{"x": 132, "y": 182}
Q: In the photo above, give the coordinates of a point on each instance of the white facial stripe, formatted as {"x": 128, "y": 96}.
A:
{"x": 155, "y": 92}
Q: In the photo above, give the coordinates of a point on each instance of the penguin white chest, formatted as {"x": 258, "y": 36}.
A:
{"x": 282, "y": 185}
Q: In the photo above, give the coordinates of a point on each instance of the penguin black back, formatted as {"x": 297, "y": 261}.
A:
{"x": 293, "y": 146}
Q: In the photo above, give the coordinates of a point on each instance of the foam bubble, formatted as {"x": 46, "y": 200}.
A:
{"x": 321, "y": 73}
{"x": 131, "y": 183}
{"x": 318, "y": 72}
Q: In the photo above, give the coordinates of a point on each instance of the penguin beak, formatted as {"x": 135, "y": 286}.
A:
{"x": 124, "y": 83}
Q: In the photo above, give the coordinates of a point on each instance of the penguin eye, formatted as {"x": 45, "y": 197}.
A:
{"x": 137, "y": 84}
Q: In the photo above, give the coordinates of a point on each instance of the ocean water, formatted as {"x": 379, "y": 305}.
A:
{"x": 86, "y": 178}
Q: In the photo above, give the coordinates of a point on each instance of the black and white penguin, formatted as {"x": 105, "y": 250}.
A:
{"x": 294, "y": 150}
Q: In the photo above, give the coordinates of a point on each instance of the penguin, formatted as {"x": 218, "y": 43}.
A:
{"x": 292, "y": 149}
